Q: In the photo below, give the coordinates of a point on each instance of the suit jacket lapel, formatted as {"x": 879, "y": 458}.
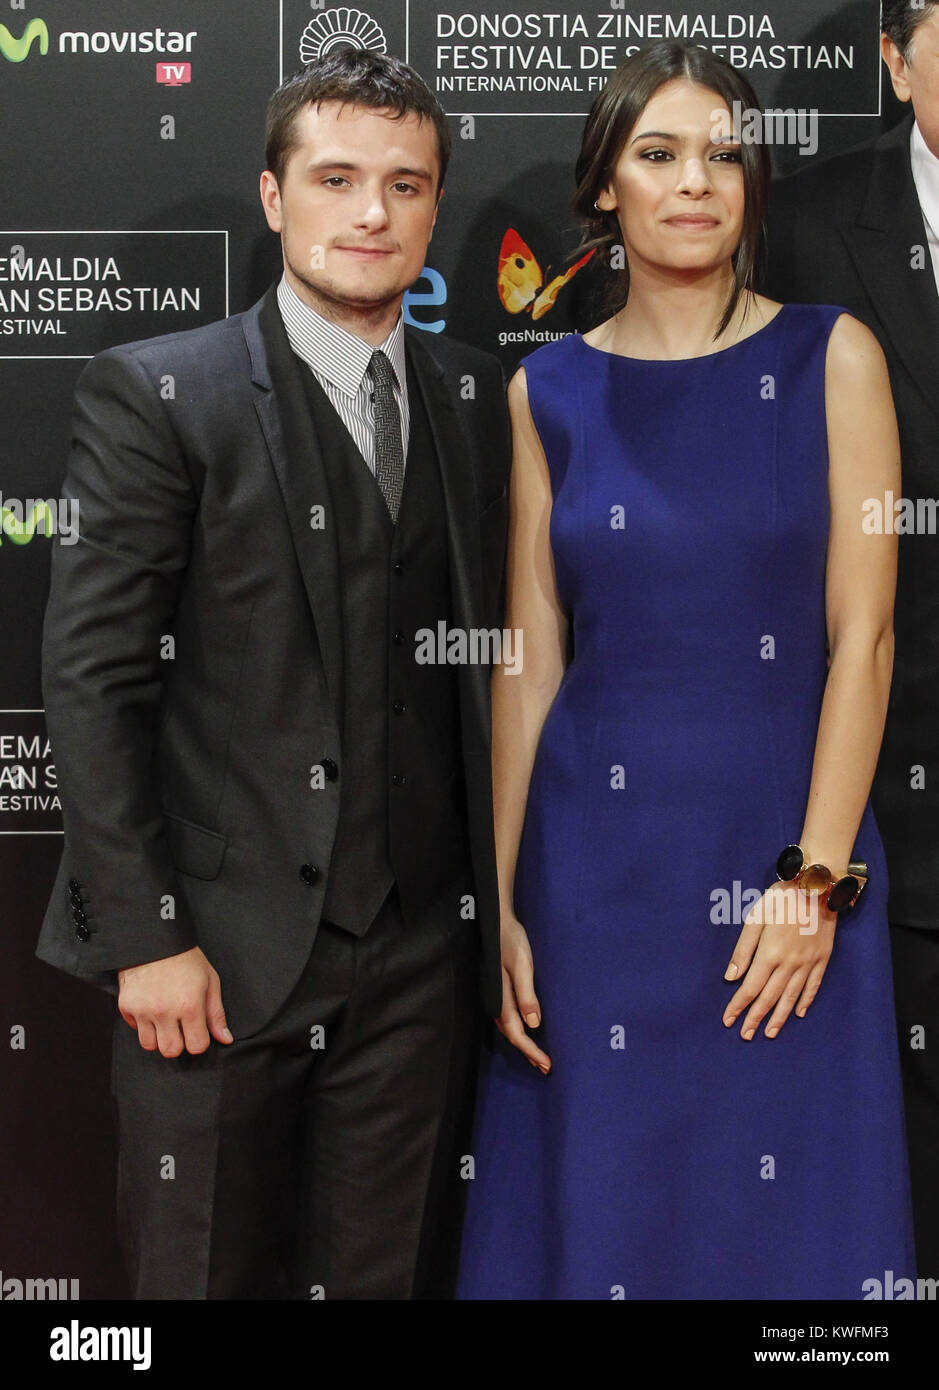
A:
{"x": 889, "y": 225}
{"x": 290, "y": 434}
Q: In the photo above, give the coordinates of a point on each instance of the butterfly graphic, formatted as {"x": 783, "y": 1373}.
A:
{"x": 521, "y": 281}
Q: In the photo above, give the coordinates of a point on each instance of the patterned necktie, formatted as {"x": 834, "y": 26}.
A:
{"x": 389, "y": 457}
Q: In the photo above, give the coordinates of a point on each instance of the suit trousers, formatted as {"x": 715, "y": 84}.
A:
{"x": 915, "y": 953}
{"x": 320, "y": 1157}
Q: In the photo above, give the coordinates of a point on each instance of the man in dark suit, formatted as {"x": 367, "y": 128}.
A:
{"x": 278, "y": 817}
{"x": 860, "y": 230}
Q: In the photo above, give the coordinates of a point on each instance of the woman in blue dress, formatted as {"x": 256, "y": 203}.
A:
{"x": 694, "y": 1088}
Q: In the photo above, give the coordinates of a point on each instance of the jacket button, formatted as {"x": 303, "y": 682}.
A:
{"x": 397, "y": 637}
{"x": 399, "y": 706}
{"x": 73, "y": 884}
{"x": 79, "y": 916}
{"x": 399, "y": 779}
{"x": 309, "y": 873}
{"x": 82, "y": 932}
{"x": 331, "y": 769}
{"x": 398, "y": 567}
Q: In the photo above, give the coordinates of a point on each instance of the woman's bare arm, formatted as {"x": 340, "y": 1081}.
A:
{"x": 785, "y": 967}
{"x": 520, "y": 702}
{"x": 861, "y": 581}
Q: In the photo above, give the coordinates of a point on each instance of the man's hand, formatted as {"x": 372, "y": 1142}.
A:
{"x": 174, "y": 1003}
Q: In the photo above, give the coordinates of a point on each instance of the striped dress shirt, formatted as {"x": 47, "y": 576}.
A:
{"x": 338, "y": 359}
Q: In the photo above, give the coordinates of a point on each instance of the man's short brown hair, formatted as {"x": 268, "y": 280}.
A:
{"x": 354, "y": 76}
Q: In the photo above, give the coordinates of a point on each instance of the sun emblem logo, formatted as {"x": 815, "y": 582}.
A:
{"x": 342, "y": 28}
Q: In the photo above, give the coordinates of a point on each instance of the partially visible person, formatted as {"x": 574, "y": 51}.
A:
{"x": 862, "y": 230}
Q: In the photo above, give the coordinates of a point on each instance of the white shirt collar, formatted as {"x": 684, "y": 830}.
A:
{"x": 335, "y": 353}
{"x": 925, "y": 177}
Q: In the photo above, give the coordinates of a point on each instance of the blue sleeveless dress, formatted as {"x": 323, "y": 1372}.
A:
{"x": 663, "y": 1156}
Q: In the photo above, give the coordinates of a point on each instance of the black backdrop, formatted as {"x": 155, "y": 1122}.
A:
{"x": 131, "y": 159}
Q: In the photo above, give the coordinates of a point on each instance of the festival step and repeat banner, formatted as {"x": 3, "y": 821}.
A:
{"x": 133, "y": 143}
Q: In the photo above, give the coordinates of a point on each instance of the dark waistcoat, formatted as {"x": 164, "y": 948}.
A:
{"x": 402, "y": 814}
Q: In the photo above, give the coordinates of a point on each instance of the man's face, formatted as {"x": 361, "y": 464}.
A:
{"x": 357, "y": 204}
{"x": 918, "y": 80}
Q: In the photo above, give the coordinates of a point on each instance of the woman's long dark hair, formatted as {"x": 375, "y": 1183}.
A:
{"x": 614, "y": 114}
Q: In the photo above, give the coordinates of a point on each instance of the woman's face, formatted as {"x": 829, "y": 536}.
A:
{"x": 677, "y": 186}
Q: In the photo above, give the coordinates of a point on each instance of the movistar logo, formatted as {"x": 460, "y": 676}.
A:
{"x": 15, "y": 50}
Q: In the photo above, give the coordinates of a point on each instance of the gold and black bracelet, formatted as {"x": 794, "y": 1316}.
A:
{"x": 841, "y": 893}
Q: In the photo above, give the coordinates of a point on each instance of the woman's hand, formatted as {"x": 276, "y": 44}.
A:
{"x": 519, "y": 1003}
{"x": 784, "y": 947}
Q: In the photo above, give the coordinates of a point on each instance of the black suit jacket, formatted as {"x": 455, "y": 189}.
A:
{"x": 849, "y": 231}
{"x": 192, "y": 655}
